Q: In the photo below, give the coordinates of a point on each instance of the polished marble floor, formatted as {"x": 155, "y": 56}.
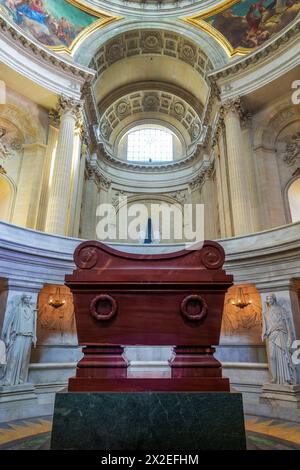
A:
{"x": 262, "y": 434}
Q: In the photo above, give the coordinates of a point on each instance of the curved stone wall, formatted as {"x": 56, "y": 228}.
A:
{"x": 30, "y": 260}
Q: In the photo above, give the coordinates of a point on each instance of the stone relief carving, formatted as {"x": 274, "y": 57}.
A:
{"x": 205, "y": 172}
{"x": 292, "y": 149}
{"x": 56, "y": 326}
{"x": 10, "y": 143}
{"x": 180, "y": 196}
{"x": 242, "y": 326}
{"x": 19, "y": 334}
{"x": 20, "y": 124}
{"x": 278, "y": 334}
{"x": 159, "y": 42}
{"x": 151, "y": 41}
{"x": 117, "y": 198}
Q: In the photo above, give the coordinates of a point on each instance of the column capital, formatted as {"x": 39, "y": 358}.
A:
{"x": 54, "y": 117}
{"x": 234, "y": 105}
{"x": 69, "y": 106}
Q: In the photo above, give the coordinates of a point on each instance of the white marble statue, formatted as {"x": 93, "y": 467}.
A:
{"x": 19, "y": 334}
{"x": 277, "y": 333}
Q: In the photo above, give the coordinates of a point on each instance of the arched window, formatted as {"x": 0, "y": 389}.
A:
{"x": 150, "y": 143}
{"x": 6, "y": 195}
{"x": 294, "y": 200}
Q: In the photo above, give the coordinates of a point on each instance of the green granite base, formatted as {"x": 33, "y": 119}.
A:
{"x": 148, "y": 421}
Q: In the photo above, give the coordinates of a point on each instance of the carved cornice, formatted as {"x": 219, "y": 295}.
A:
{"x": 94, "y": 171}
{"x": 43, "y": 53}
{"x": 205, "y": 173}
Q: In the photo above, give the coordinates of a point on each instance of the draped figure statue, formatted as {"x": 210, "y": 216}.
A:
{"x": 277, "y": 333}
{"x": 19, "y": 334}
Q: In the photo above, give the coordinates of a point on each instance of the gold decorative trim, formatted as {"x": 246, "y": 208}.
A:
{"x": 101, "y": 23}
{"x": 231, "y": 51}
{"x": 198, "y": 21}
{"x": 81, "y": 5}
{"x": 104, "y": 20}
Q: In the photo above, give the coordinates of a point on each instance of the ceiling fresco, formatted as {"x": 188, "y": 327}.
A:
{"x": 244, "y": 25}
{"x": 238, "y": 25}
{"x": 55, "y": 23}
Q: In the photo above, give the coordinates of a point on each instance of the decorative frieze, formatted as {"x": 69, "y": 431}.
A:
{"x": 205, "y": 172}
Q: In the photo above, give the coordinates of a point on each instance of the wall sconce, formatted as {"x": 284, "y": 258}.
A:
{"x": 240, "y": 301}
{"x": 57, "y": 301}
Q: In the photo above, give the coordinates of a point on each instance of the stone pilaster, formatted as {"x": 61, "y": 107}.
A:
{"x": 59, "y": 194}
{"x": 29, "y": 185}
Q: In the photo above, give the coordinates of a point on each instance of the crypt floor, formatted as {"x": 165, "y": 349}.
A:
{"x": 262, "y": 434}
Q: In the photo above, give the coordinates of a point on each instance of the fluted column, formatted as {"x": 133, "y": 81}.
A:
{"x": 57, "y": 214}
{"x": 224, "y": 204}
{"x": 49, "y": 157}
{"x": 239, "y": 178}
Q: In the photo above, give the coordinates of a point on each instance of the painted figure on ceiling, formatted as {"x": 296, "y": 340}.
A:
{"x": 51, "y": 22}
{"x": 249, "y": 24}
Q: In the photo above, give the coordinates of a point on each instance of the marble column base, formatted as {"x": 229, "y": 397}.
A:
{"x": 148, "y": 421}
{"x": 281, "y": 395}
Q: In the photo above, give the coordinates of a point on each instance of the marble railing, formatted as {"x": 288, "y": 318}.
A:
{"x": 266, "y": 259}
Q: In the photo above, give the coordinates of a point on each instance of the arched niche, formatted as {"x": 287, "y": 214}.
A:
{"x": 148, "y": 203}
{"x": 6, "y": 198}
{"x": 293, "y": 195}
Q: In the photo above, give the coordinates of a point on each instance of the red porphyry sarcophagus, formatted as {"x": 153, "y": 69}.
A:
{"x": 124, "y": 299}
